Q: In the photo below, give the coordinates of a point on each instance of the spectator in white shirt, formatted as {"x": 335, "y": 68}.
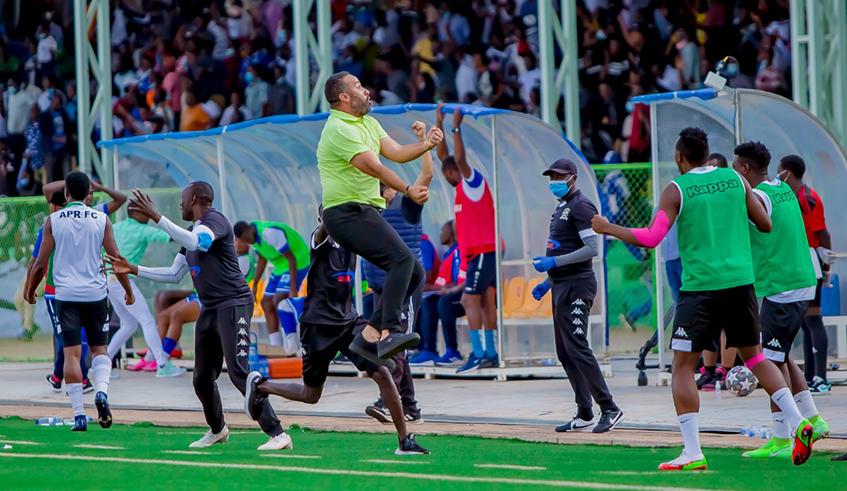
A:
{"x": 236, "y": 112}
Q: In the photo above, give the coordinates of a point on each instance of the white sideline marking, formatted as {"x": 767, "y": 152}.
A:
{"x": 99, "y": 447}
{"x": 291, "y": 456}
{"x": 18, "y": 442}
{"x": 391, "y": 475}
{"x": 189, "y": 452}
{"x": 378, "y": 461}
{"x": 513, "y": 467}
{"x": 203, "y": 432}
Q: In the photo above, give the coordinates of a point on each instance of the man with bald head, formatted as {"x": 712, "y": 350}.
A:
{"x": 223, "y": 327}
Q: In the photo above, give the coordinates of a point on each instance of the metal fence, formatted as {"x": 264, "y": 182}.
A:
{"x": 626, "y": 198}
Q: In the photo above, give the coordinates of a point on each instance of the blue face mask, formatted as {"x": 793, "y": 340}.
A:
{"x": 560, "y": 189}
{"x": 248, "y": 77}
{"x": 630, "y": 106}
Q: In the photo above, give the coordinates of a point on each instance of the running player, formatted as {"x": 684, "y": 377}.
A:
{"x": 55, "y": 194}
{"x": 786, "y": 279}
{"x": 77, "y": 233}
{"x": 186, "y": 306}
{"x": 474, "y": 208}
{"x": 222, "y": 329}
{"x": 712, "y": 206}
{"x": 328, "y": 325}
{"x": 792, "y": 168}
{"x": 133, "y": 234}
{"x": 286, "y": 250}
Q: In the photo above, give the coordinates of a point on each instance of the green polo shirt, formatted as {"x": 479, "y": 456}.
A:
{"x": 132, "y": 238}
{"x": 344, "y": 136}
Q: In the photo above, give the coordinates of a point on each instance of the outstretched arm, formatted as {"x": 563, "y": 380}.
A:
{"x": 649, "y": 237}
{"x": 459, "y": 146}
{"x": 173, "y": 274}
{"x": 443, "y": 151}
{"x": 198, "y": 239}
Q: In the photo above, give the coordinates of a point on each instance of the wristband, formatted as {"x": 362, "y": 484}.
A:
{"x": 406, "y": 192}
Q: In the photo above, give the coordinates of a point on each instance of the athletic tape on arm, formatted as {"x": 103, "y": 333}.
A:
{"x": 653, "y": 236}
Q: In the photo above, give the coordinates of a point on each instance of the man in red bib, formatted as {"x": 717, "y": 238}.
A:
{"x": 474, "y": 208}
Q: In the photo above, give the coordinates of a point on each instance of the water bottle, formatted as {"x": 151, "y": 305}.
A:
{"x": 718, "y": 389}
{"x": 745, "y": 430}
{"x": 755, "y": 431}
{"x": 767, "y": 433}
{"x": 49, "y": 421}
{"x": 71, "y": 421}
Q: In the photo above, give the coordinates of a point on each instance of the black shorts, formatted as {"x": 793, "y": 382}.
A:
{"x": 700, "y": 316}
{"x": 780, "y": 324}
{"x": 817, "y": 300}
{"x": 322, "y": 342}
{"x": 93, "y": 315}
{"x": 482, "y": 273}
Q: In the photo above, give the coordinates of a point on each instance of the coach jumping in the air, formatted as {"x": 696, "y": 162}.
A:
{"x": 222, "y": 331}
{"x": 348, "y": 160}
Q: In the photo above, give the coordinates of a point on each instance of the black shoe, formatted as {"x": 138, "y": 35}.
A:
{"x": 608, "y": 420}
{"x": 104, "y": 414}
{"x": 576, "y": 424}
{"x": 410, "y": 447}
{"x": 397, "y": 342}
{"x": 707, "y": 377}
{"x": 80, "y": 423}
{"x": 87, "y": 388}
{"x": 377, "y": 411}
{"x": 253, "y": 398}
{"x": 368, "y": 351}
{"x": 412, "y": 415}
{"x": 54, "y": 383}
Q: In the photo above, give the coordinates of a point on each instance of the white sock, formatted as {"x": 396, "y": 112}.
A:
{"x": 75, "y": 393}
{"x": 148, "y": 357}
{"x": 805, "y": 404}
{"x": 275, "y": 338}
{"x": 291, "y": 343}
{"x": 101, "y": 366}
{"x": 689, "y": 424}
{"x": 783, "y": 399}
{"x": 780, "y": 425}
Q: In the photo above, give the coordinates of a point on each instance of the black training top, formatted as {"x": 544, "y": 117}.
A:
{"x": 217, "y": 277}
{"x": 329, "y": 290}
{"x": 571, "y": 221}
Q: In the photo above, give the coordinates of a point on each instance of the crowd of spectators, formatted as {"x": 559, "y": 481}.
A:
{"x": 184, "y": 65}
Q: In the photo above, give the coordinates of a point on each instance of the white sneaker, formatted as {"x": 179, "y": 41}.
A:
{"x": 279, "y": 442}
{"x": 210, "y": 439}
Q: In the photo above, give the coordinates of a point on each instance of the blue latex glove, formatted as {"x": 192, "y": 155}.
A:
{"x": 543, "y": 264}
{"x": 540, "y": 290}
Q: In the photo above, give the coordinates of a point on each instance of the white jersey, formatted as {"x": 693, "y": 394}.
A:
{"x": 77, "y": 263}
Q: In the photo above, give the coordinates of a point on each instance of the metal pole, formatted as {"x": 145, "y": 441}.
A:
{"x": 301, "y": 56}
{"x": 324, "y": 50}
{"x": 104, "y": 88}
{"x": 799, "y": 47}
{"x": 82, "y": 85}
{"x": 358, "y": 289}
{"x": 499, "y": 269}
{"x": 657, "y": 274}
{"x": 549, "y": 95}
{"x": 569, "y": 65}
{"x": 222, "y": 172}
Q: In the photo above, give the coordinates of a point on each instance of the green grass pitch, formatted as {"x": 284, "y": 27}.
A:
{"x": 152, "y": 458}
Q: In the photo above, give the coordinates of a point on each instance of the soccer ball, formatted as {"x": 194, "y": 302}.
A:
{"x": 741, "y": 381}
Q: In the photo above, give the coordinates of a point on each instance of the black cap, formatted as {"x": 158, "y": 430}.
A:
{"x": 561, "y": 166}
